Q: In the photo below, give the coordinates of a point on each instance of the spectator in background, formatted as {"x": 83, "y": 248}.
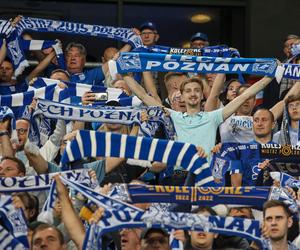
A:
{"x": 172, "y": 81}
{"x": 289, "y": 133}
{"x": 154, "y": 238}
{"x": 199, "y": 40}
{"x": 285, "y": 83}
{"x": 12, "y": 167}
{"x": 201, "y": 240}
{"x": 75, "y": 60}
{"x": 288, "y": 42}
{"x": 48, "y": 237}
{"x": 149, "y": 33}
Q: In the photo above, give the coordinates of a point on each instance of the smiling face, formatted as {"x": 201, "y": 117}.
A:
{"x": 192, "y": 94}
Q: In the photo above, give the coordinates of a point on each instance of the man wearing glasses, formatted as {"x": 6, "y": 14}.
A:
{"x": 149, "y": 33}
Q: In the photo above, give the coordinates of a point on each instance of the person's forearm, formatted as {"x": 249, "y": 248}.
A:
{"x": 3, "y": 51}
{"x": 140, "y": 92}
{"x": 72, "y": 221}
{"x": 278, "y": 108}
{"x": 6, "y": 147}
{"x": 41, "y": 66}
{"x": 213, "y": 101}
{"x": 39, "y": 164}
{"x": 236, "y": 180}
{"x": 149, "y": 85}
{"x": 232, "y": 106}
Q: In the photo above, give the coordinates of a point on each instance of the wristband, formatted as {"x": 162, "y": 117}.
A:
{"x": 5, "y": 132}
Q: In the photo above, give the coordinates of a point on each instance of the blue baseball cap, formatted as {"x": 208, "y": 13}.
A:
{"x": 199, "y": 36}
{"x": 148, "y": 25}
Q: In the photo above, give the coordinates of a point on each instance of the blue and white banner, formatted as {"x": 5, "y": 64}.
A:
{"x": 208, "y": 196}
{"x": 42, "y": 182}
{"x": 99, "y": 199}
{"x": 107, "y": 114}
{"x": 16, "y": 47}
{"x": 212, "y": 51}
{"x": 283, "y": 158}
{"x": 139, "y": 62}
{"x": 93, "y": 144}
{"x": 120, "y": 215}
{"x": 291, "y": 71}
{"x": 13, "y": 226}
{"x": 46, "y": 25}
{"x": 79, "y": 89}
{"x": 285, "y": 180}
{"x": 117, "y": 219}
{"x": 49, "y": 89}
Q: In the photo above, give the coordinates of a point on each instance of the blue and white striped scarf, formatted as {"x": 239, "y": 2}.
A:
{"x": 78, "y": 89}
{"x": 48, "y": 89}
{"x": 16, "y": 44}
{"x": 139, "y": 62}
{"x": 16, "y": 47}
{"x": 13, "y": 226}
{"x": 107, "y": 114}
{"x": 92, "y": 144}
{"x": 46, "y": 25}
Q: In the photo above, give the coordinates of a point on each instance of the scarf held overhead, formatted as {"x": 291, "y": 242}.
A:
{"x": 120, "y": 215}
{"x": 41, "y": 182}
{"x": 107, "y": 114}
{"x": 208, "y": 196}
{"x": 139, "y": 62}
{"x": 46, "y": 25}
{"x": 91, "y": 143}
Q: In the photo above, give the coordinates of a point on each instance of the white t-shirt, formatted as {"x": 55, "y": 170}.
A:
{"x": 237, "y": 129}
{"x": 293, "y": 136}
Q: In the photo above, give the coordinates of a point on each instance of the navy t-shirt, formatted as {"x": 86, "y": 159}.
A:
{"x": 248, "y": 165}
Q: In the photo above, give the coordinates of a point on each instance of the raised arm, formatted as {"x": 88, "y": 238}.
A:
{"x": 140, "y": 92}
{"x": 277, "y": 109}
{"x": 41, "y": 66}
{"x": 3, "y": 51}
{"x": 149, "y": 85}
{"x": 213, "y": 101}
{"x": 231, "y": 107}
{"x": 6, "y": 146}
{"x": 35, "y": 159}
{"x": 70, "y": 218}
